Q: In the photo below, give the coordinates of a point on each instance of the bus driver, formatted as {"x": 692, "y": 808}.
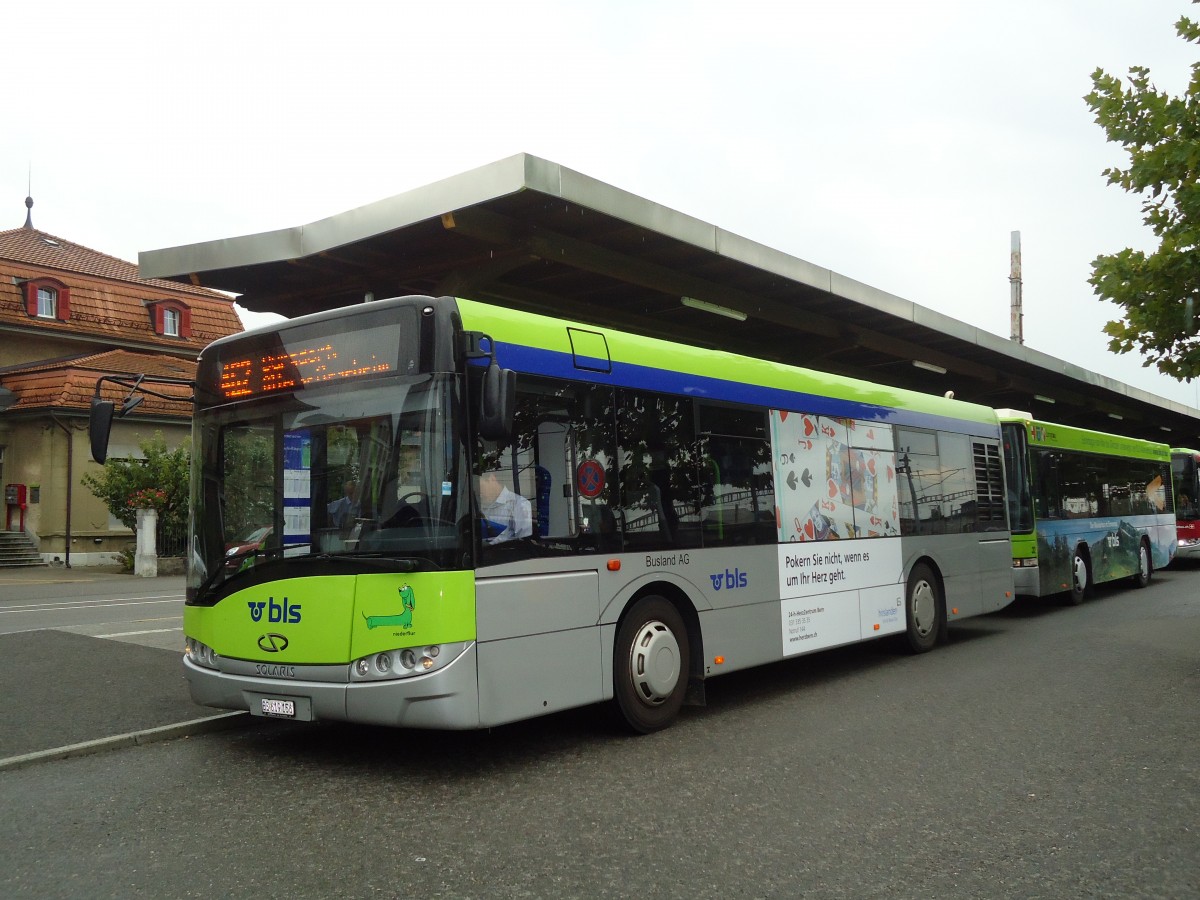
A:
{"x": 506, "y": 515}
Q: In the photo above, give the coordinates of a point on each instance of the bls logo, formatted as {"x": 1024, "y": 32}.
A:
{"x": 276, "y": 612}
{"x": 730, "y": 580}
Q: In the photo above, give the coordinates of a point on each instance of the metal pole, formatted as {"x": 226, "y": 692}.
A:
{"x": 70, "y": 479}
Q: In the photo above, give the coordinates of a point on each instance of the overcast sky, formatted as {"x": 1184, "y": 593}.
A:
{"x": 898, "y": 144}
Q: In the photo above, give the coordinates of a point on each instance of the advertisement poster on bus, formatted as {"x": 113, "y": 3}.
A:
{"x": 836, "y": 487}
{"x": 839, "y": 591}
{"x": 835, "y": 478}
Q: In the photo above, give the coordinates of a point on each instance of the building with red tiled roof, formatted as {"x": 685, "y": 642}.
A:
{"x": 68, "y": 315}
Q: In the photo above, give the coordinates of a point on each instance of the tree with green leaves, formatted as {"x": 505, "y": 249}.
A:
{"x": 159, "y": 480}
{"x": 1160, "y": 291}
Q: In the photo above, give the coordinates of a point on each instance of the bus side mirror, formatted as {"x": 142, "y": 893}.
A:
{"x": 497, "y": 401}
{"x": 99, "y": 425}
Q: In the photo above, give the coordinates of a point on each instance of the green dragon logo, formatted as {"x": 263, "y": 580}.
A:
{"x": 408, "y": 602}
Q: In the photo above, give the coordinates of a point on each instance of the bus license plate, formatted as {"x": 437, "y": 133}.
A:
{"x": 280, "y": 708}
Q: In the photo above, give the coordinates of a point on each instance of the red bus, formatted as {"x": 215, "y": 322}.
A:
{"x": 1185, "y": 477}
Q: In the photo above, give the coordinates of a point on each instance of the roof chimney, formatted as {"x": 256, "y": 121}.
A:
{"x": 1016, "y": 313}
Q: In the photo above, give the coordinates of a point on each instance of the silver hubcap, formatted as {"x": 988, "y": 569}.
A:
{"x": 924, "y": 607}
{"x": 1144, "y": 562}
{"x": 1080, "y": 574}
{"x": 654, "y": 663}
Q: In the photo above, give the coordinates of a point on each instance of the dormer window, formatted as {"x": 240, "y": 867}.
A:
{"x": 47, "y": 298}
{"x": 170, "y": 318}
{"x": 47, "y": 302}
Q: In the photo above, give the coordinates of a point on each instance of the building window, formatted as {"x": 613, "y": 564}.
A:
{"x": 170, "y": 318}
{"x": 47, "y": 298}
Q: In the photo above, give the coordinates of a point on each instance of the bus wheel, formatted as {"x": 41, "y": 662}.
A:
{"x": 1145, "y": 569}
{"x": 1081, "y": 577}
{"x": 650, "y": 666}
{"x": 923, "y": 609}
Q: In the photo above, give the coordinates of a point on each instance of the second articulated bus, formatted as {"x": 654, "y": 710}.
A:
{"x": 1085, "y": 507}
{"x": 445, "y": 543}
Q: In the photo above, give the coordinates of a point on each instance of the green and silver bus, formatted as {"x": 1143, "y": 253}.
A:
{"x": 467, "y": 516}
{"x": 1085, "y": 507}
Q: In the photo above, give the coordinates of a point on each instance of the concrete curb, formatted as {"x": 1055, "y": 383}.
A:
{"x": 131, "y": 739}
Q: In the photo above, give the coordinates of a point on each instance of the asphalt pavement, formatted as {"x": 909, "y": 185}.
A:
{"x": 65, "y": 694}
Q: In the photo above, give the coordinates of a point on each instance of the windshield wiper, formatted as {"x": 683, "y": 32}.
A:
{"x": 376, "y": 557}
{"x": 215, "y": 579}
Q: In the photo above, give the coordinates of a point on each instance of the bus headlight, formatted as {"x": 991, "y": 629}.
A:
{"x": 405, "y": 662}
{"x": 200, "y": 653}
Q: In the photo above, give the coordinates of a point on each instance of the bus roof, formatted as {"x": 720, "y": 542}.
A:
{"x": 1067, "y": 437}
{"x": 650, "y": 362}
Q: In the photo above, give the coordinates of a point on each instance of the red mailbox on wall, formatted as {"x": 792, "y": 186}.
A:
{"x": 16, "y": 499}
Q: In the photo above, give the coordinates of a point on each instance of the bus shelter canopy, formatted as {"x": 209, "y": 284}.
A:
{"x": 530, "y": 234}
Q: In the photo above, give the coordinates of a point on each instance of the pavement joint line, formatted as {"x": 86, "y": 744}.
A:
{"x": 129, "y": 739}
{"x": 133, "y": 633}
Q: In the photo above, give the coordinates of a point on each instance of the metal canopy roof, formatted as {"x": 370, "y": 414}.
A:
{"x": 530, "y": 234}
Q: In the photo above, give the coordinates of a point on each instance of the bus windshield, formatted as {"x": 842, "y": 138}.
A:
{"x": 1186, "y": 477}
{"x": 1016, "y": 471}
{"x": 338, "y": 474}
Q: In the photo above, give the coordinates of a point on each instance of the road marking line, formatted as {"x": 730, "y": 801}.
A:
{"x": 52, "y": 607}
{"x": 98, "y": 602}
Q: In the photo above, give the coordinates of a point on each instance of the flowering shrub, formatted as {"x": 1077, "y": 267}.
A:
{"x": 161, "y": 471}
{"x": 148, "y": 498}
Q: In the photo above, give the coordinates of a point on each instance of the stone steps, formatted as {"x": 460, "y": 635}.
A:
{"x": 17, "y": 549}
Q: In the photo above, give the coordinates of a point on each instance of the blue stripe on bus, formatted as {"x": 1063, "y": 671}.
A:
{"x": 555, "y": 364}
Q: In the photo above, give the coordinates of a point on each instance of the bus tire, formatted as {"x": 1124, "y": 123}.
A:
{"x": 1081, "y": 577}
{"x": 1145, "y": 569}
{"x": 923, "y": 609}
{"x": 650, "y": 665}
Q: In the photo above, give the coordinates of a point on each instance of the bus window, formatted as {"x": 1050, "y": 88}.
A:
{"x": 559, "y": 465}
{"x": 1047, "y": 496}
{"x": 937, "y": 488}
{"x": 248, "y": 500}
{"x": 736, "y": 488}
{"x": 1083, "y": 491}
{"x": 658, "y": 463}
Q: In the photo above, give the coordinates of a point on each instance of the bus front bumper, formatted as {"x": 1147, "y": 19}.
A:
{"x": 445, "y": 699}
{"x": 1188, "y": 549}
{"x": 1026, "y": 581}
